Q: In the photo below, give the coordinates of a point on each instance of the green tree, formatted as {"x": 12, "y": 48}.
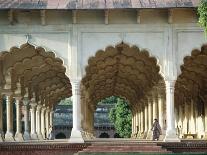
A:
{"x": 66, "y": 101}
{"x": 121, "y": 116}
{"x": 202, "y": 12}
{"x": 109, "y": 100}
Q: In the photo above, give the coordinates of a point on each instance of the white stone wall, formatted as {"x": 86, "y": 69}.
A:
{"x": 76, "y": 43}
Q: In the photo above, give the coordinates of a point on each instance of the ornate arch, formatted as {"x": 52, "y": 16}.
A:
{"x": 191, "y": 83}
{"x": 32, "y": 70}
{"x": 121, "y": 71}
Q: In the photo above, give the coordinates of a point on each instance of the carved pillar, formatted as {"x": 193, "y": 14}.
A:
{"x": 136, "y": 122}
{"x": 133, "y": 132}
{"x": 9, "y": 114}
{"x": 26, "y": 119}
{"x": 18, "y": 135}
{"x": 38, "y": 120}
{"x": 192, "y": 119}
{"x": 76, "y": 135}
{"x": 149, "y": 134}
{"x": 51, "y": 118}
{"x": 161, "y": 110}
{"x": 139, "y": 122}
{"x": 205, "y": 106}
{"x": 146, "y": 129}
{"x": 47, "y": 121}
{"x": 1, "y": 119}
{"x": 185, "y": 121}
{"x": 154, "y": 109}
{"x": 142, "y": 121}
{"x": 180, "y": 123}
{"x": 170, "y": 132}
{"x": 43, "y": 121}
{"x": 33, "y": 121}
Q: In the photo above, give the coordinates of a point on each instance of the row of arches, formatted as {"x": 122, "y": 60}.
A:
{"x": 37, "y": 79}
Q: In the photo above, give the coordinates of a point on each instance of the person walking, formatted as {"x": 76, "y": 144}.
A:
{"x": 156, "y": 130}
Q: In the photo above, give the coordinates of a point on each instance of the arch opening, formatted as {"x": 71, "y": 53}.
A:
{"x": 190, "y": 95}
{"x": 127, "y": 72}
{"x": 37, "y": 80}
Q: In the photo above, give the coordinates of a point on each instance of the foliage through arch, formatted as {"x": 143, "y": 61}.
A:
{"x": 121, "y": 116}
{"x": 202, "y": 12}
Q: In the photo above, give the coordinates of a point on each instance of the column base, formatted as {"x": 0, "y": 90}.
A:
{"x": 39, "y": 136}
{"x": 1, "y": 136}
{"x": 149, "y": 135}
{"x": 162, "y": 136}
{"x": 9, "y": 137}
{"x": 26, "y": 136}
{"x": 171, "y": 136}
{"x": 34, "y": 136}
{"x": 76, "y": 137}
{"x": 145, "y": 135}
{"x": 18, "y": 137}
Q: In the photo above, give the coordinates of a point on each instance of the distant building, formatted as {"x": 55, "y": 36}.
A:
{"x": 63, "y": 120}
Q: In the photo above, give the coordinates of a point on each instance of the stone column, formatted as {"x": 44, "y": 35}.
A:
{"x": 192, "y": 119}
{"x": 47, "y": 121}
{"x": 76, "y": 135}
{"x": 180, "y": 123}
{"x": 26, "y": 120}
{"x": 161, "y": 110}
{"x": 160, "y": 115}
{"x": 9, "y": 115}
{"x": 51, "y": 118}
{"x": 145, "y": 121}
{"x": 142, "y": 121}
{"x": 149, "y": 134}
{"x": 205, "y": 121}
{"x": 18, "y": 135}
{"x": 133, "y": 132}
{"x": 154, "y": 109}
{"x": 43, "y": 121}
{"x": 170, "y": 132}
{"x": 38, "y": 120}
{"x": 1, "y": 119}
{"x": 185, "y": 121}
{"x": 33, "y": 121}
{"x": 136, "y": 122}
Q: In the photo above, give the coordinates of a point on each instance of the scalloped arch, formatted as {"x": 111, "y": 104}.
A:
{"x": 30, "y": 64}
{"x": 191, "y": 81}
{"x": 122, "y": 70}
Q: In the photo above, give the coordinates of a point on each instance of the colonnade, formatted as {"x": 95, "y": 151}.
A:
{"x": 37, "y": 119}
{"x": 40, "y": 116}
{"x": 191, "y": 119}
{"x": 159, "y": 106}
{"x": 142, "y": 120}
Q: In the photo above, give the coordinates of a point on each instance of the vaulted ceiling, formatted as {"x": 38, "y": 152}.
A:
{"x": 34, "y": 72}
{"x": 120, "y": 71}
{"x": 192, "y": 82}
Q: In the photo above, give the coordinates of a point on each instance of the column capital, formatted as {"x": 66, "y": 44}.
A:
{"x": 25, "y": 102}
{"x": 43, "y": 108}
{"x": 7, "y": 92}
{"x": 18, "y": 101}
{"x": 39, "y": 106}
{"x": 33, "y": 106}
{"x": 47, "y": 109}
